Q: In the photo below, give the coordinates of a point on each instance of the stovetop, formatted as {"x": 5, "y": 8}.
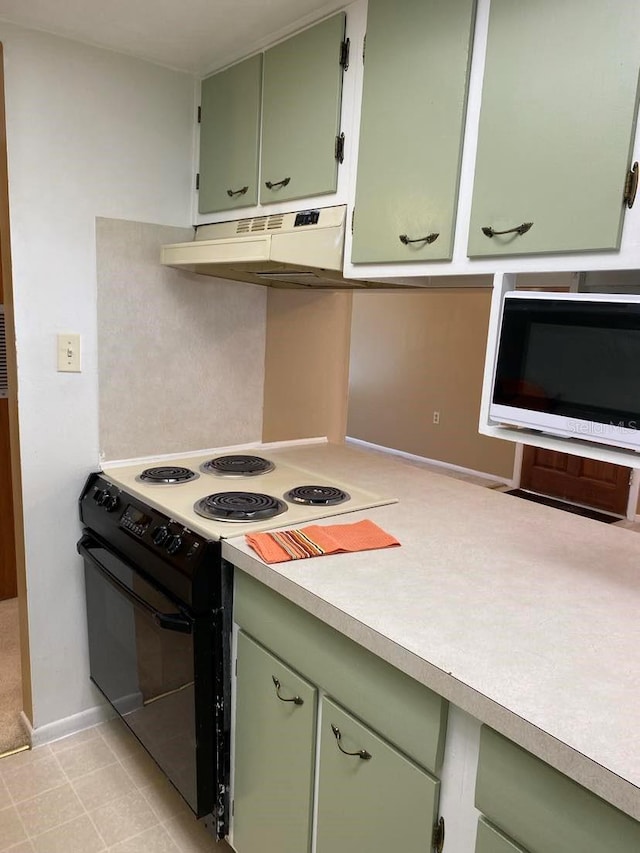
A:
{"x": 183, "y": 500}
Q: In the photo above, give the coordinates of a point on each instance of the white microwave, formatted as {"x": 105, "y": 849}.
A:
{"x": 568, "y": 364}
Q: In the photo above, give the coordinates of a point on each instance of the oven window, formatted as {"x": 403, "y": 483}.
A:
{"x": 142, "y": 659}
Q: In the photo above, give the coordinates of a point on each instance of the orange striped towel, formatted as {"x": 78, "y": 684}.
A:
{"x": 277, "y": 546}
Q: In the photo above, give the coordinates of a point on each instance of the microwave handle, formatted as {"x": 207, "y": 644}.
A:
{"x": 167, "y": 621}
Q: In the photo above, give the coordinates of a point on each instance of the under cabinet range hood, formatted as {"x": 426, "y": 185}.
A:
{"x": 303, "y": 249}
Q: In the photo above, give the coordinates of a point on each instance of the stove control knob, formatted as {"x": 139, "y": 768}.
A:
{"x": 99, "y": 496}
{"x": 104, "y": 499}
{"x": 112, "y": 504}
{"x": 160, "y": 535}
{"x": 174, "y": 544}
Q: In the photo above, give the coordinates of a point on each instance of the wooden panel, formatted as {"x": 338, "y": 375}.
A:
{"x": 489, "y": 840}
{"x": 543, "y": 810}
{"x": 572, "y": 478}
{"x": 404, "y": 711}
{"x": 8, "y": 582}
{"x": 306, "y": 396}
{"x": 372, "y": 805}
{"x": 274, "y": 755}
{"x": 301, "y": 112}
{"x": 557, "y": 123}
{"x": 414, "y": 100}
{"x": 229, "y": 137}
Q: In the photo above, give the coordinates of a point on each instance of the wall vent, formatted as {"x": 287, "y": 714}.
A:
{"x": 275, "y": 222}
{"x": 4, "y": 371}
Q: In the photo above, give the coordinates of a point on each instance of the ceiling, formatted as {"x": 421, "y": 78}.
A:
{"x": 197, "y": 36}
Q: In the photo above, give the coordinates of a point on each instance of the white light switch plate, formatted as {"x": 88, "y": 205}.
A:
{"x": 69, "y": 353}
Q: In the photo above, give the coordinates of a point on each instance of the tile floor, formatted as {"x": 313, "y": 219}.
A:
{"x": 94, "y": 792}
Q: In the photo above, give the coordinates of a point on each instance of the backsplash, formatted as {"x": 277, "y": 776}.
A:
{"x": 180, "y": 356}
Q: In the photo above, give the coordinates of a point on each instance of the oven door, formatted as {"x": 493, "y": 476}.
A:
{"x": 141, "y": 651}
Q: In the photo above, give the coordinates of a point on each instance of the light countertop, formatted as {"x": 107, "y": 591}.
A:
{"x": 524, "y": 616}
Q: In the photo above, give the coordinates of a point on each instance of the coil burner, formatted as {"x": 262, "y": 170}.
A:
{"x": 237, "y": 466}
{"x": 167, "y": 475}
{"x": 317, "y": 495}
{"x": 239, "y": 506}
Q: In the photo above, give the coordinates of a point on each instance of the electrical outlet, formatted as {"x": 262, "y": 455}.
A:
{"x": 69, "y": 353}
{"x": 436, "y": 417}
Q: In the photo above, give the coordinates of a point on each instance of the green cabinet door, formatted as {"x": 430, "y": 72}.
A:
{"x": 557, "y": 123}
{"x": 274, "y": 754}
{"x": 489, "y": 840}
{"x": 302, "y": 92}
{"x": 415, "y": 90}
{"x": 229, "y": 137}
{"x": 542, "y": 810}
{"x": 375, "y": 804}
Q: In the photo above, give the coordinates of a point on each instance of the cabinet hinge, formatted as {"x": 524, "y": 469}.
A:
{"x": 630, "y": 186}
{"x": 198, "y": 181}
{"x": 364, "y": 47}
{"x": 344, "y": 54}
{"x": 339, "y": 150}
{"x": 199, "y": 115}
{"x": 437, "y": 839}
{"x": 353, "y": 214}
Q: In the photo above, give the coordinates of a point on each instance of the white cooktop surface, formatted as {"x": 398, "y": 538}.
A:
{"x": 177, "y": 500}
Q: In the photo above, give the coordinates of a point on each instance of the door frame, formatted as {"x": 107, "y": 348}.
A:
{"x": 14, "y": 432}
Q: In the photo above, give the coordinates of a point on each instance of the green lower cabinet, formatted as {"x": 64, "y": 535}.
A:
{"x": 489, "y": 840}
{"x": 372, "y": 804}
{"x": 543, "y": 810}
{"x": 274, "y": 754}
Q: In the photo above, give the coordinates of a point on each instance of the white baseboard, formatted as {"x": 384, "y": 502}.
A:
{"x": 67, "y": 726}
{"x": 436, "y": 462}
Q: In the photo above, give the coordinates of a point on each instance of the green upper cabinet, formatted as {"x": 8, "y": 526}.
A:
{"x": 302, "y": 92}
{"x": 557, "y": 123}
{"x": 413, "y": 110}
{"x": 229, "y": 137}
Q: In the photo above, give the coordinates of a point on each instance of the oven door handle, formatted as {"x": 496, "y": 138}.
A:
{"x": 179, "y": 622}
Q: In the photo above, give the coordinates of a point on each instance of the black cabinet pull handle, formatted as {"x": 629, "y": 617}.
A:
{"x": 295, "y": 699}
{"x": 360, "y": 753}
{"x": 283, "y": 183}
{"x": 241, "y": 191}
{"x": 428, "y": 239}
{"x": 519, "y": 229}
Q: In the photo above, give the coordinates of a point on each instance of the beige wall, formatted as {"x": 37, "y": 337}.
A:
{"x": 180, "y": 356}
{"x": 413, "y": 353}
{"x": 306, "y": 365}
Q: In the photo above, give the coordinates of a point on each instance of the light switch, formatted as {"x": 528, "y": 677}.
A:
{"x": 69, "y": 353}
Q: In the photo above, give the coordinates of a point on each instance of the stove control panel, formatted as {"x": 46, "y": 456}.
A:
{"x": 135, "y": 520}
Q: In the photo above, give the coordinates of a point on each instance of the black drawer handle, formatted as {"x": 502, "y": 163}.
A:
{"x": 283, "y": 183}
{"x": 404, "y": 238}
{"x": 241, "y": 191}
{"x": 360, "y": 753}
{"x": 295, "y": 699}
{"x": 519, "y": 229}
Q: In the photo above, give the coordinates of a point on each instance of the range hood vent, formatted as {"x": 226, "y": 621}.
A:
{"x": 303, "y": 249}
